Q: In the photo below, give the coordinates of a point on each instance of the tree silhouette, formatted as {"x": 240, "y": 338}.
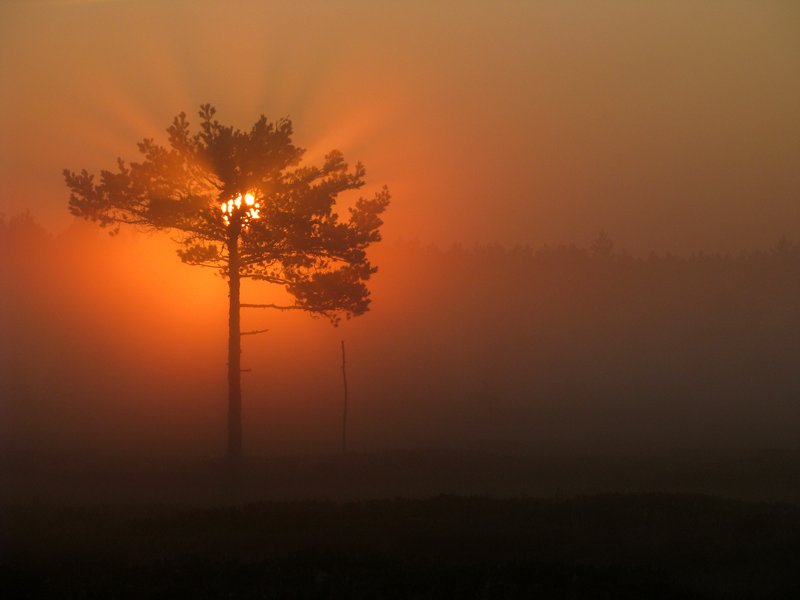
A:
{"x": 602, "y": 247}
{"x": 242, "y": 203}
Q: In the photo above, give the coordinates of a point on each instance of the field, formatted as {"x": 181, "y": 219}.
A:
{"x": 597, "y": 545}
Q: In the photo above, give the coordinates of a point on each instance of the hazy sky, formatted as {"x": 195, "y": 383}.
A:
{"x": 673, "y": 125}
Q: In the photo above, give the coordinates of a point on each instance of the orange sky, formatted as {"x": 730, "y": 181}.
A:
{"x": 673, "y": 125}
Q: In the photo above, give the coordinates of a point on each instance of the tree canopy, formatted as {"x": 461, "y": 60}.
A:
{"x": 242, "y": 203}
{"x": 243, "y": 200}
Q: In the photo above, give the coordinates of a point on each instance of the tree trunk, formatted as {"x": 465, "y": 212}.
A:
{"x": 344, "y": 410}
{"x": 234, "y": 357}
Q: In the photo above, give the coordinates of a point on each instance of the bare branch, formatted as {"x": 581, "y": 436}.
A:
{"x": 254, "y": 332}
{"x": 275, "y": 306}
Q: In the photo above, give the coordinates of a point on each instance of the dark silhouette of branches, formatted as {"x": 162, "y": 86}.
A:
{"x": 243, "y": 203}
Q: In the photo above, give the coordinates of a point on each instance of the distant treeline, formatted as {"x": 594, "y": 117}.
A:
{"x": 584, "y": 349}
{"x": 592, "y": 348}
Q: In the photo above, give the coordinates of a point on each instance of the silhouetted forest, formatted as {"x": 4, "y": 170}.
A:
{"x": 605, "y": 350}
{"x": 586, "y": 350}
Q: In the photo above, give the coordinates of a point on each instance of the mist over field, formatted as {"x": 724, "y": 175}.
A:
{"x": 113, "y": 348}
{"x": 577, "y": 376}
{"x": 506, "y": 131}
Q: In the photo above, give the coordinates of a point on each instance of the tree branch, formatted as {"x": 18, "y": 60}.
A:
{"x": 275, "y": 306}
{"x": 254, "y": 332}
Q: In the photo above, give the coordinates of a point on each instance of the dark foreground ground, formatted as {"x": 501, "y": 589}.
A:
{"x": 600, "y": 546}
{"x": 402, "y": 525}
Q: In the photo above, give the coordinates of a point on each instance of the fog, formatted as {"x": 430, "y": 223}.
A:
{"x": 113, "y": 348}
{"x": 510, "y": 135}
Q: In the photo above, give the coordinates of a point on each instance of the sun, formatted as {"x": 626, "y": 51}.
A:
{"x": 241, "y": 210}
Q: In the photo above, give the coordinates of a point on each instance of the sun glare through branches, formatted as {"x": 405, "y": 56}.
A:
{"x": 233, "y": 210}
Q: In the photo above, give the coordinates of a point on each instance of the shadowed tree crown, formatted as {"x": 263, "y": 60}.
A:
{"x": 242, "y": 200}
{"x": 242, "y": 203}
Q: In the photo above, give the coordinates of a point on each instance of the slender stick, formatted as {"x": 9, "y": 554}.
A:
{"x": 344, "y": 412}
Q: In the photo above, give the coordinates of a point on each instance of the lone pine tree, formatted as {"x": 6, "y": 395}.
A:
{"x": 242, "y": 203}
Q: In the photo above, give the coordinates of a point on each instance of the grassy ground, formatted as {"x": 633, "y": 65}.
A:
{"x": 599, "y": 546}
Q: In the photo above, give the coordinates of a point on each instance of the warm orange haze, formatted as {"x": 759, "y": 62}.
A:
{"x": 673, "y": 127}
{"x": 562, "y": 362}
